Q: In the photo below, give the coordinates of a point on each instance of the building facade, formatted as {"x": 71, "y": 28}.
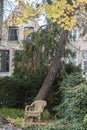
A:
{"x": 78, "y": 44}
{"x": 12, "y": 37}
{"x": 11, "y": 41}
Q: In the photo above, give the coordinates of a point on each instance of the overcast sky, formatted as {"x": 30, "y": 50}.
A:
{"x": 9, "y": 6}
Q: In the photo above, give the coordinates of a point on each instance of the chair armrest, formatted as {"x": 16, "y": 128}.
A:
{"x": 32, "y": 104}
{"x": 28, "y": 108}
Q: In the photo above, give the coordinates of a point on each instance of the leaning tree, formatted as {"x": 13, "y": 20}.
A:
{"x": 66, "y": 14}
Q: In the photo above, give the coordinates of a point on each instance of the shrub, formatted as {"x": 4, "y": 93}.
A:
{"x": 8, "y": 93}
{"x": 13, "y": 92}
{"x": 74, "y": 95}
{"x": 72, "y": 110}
{"x": 48, "y": 116}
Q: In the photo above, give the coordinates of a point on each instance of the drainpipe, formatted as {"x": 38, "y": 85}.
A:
{"x": 1, "y": 17}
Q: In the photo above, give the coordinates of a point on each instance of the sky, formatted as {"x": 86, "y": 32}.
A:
{"x": 10, "y": 5}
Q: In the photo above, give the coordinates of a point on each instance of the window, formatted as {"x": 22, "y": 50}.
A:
{"x": 84, "y": 56}
{"x": 13, "y": 34}
{"x": 75, "y": 34}
{"x": 27, "y": 32}
{"x": 85, "y": 65}
{"x": 4, "y": 61}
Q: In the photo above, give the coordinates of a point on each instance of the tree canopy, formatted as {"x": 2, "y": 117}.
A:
{"x": 64, "y": 13}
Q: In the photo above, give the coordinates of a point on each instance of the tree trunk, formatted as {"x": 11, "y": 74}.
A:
{"x": 55, "y": 67}
{"x": 1, "y": 17}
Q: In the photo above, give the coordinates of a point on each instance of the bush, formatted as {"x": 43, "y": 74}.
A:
{"x": 8, "y": 92}
{"x": 74, "y": 95}
{"x": 48, "y": 116}
{"x": 13, "y": 92}
{"x": 72, "y": 110}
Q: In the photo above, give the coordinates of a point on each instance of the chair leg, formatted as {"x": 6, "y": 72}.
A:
{"x": 39, "y": 117}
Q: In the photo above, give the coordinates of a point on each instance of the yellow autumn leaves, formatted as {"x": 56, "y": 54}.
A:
{"x": 22, "y": 13}
{"x": 62, "y": 13}
{"x": 27, "y": 32}
{"x": 81, "y": 1}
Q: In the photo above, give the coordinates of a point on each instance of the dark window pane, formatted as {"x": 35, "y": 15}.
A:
{"x": 13, "y": 34}
{"x": 4, "y": 61}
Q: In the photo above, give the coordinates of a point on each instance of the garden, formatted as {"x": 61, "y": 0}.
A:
{"x": 43, "y": 70}
{"x": 66, "y": 103}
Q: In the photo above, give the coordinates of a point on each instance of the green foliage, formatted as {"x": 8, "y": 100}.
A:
{"x": 15, "y": 116}
{"x": 8, "y": 93}
{"x": 13, "y": 92}
{"x": 63, "y": 125}
{"x": 60, "y": 125}
{"x": 74, "y": 103}
{"x": 30, "y": 69}
{"x": 11, "y": 112}
{"x": 72, "y": 80}
{"x": 31, "y": 65}
{"x": 72, "y": 109}
{"x": 70, "y": 68}
{"x": 37, "y": 51}
{"x": 74, "y": 97}
{"x": 68, "y": 75}
{"x": 85, "y": 119}
{"x": 48, "y": 116}
{"x": 16, "y": 92}
{"x": 18, "y": 122}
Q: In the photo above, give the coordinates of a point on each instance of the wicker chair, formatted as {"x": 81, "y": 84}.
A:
{"x": 35, "y": 109}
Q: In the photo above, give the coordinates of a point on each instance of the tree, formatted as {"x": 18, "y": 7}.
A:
{"x": 55, "y": 67}
{"x": 63, "y": 14}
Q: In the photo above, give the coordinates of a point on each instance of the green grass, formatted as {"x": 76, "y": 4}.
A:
{"x": 11, "y": 112}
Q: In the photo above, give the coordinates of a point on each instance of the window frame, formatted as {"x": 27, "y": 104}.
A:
{"x": 26, "y": 28}
{"x": 4, "y": 61}
{"x": 11, "y": 36}
{"x": 84, "y": 59}
{"x": 75, "y": 33}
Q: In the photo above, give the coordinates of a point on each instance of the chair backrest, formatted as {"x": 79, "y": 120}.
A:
{"x": 39, "y": 105}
